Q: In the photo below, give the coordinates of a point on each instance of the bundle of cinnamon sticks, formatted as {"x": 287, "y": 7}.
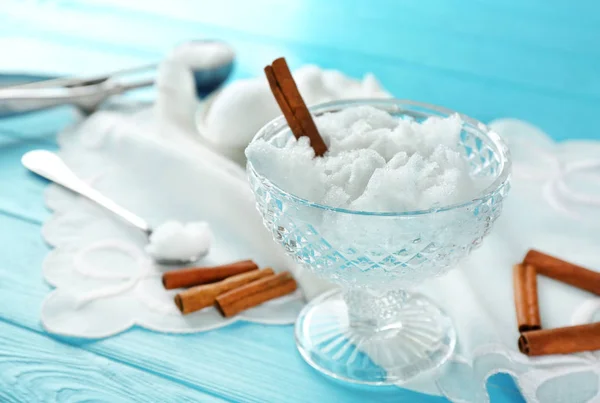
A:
{"x": 232, "y": 288}
{"x": 533, "y": 339}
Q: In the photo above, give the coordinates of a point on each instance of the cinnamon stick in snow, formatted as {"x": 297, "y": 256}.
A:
{"x": 566, "y": 272}
{"x": 204, "y": 275}
{"x": 564, "y": 340}
{"x": 526, "y": 299}
{"x": 199, "y": 297}
{"x": 288, "y": 114}
{"x": 292, "y": 105}
{"x": 255, "y": 293}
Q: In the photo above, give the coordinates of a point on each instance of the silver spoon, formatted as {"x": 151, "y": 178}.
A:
{"x": 50, "y": 166}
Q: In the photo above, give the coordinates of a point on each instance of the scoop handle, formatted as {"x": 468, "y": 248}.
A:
{"x": 50, "y": 166}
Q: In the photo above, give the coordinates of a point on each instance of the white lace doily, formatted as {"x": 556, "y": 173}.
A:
{"x": 105, "y": 283}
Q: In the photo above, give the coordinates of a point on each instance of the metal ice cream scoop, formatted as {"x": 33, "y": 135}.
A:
{"x": 88, "y": 93}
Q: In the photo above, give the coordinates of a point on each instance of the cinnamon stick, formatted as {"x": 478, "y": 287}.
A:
{"x": 255, "y": 293}
{"x": 564, "y": 340}
{"x": 201, "y": 296}
{"x": 204, "y": 275}
{"x": 566, "y": 272}
{"x": 526, "y": 299}
{"x": 292, "y": 104}
{"x": 288, "y": 114}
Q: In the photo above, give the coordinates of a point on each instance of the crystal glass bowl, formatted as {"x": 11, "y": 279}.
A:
{"x": 373, "y": 330}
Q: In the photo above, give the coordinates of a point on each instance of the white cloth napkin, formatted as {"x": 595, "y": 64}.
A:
{"x": 152, "y": 162}
{"x": 98, "y": 261}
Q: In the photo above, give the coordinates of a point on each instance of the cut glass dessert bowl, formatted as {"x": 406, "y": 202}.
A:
{"x": 373, "y": 329}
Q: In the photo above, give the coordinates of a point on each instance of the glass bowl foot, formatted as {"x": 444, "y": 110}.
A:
{"x": 415, "y": 339}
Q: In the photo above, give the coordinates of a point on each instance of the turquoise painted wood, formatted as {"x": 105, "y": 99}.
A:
{"x": 532, "y": 59}
{"x": 34, "y": 368}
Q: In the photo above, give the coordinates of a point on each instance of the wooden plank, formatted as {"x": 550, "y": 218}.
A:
{"x": 562, "y": 113}
{"x": 547, "y": 11}
{"x": 36, "y": 368}
{"x": 21, "y": 192}
{"x": 243, "y": 362}
{"x": 41, "y": 124}
{"x": 413, "y": 35}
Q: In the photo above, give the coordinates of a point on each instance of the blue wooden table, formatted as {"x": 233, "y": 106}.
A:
{"x": 537, "y": 60}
